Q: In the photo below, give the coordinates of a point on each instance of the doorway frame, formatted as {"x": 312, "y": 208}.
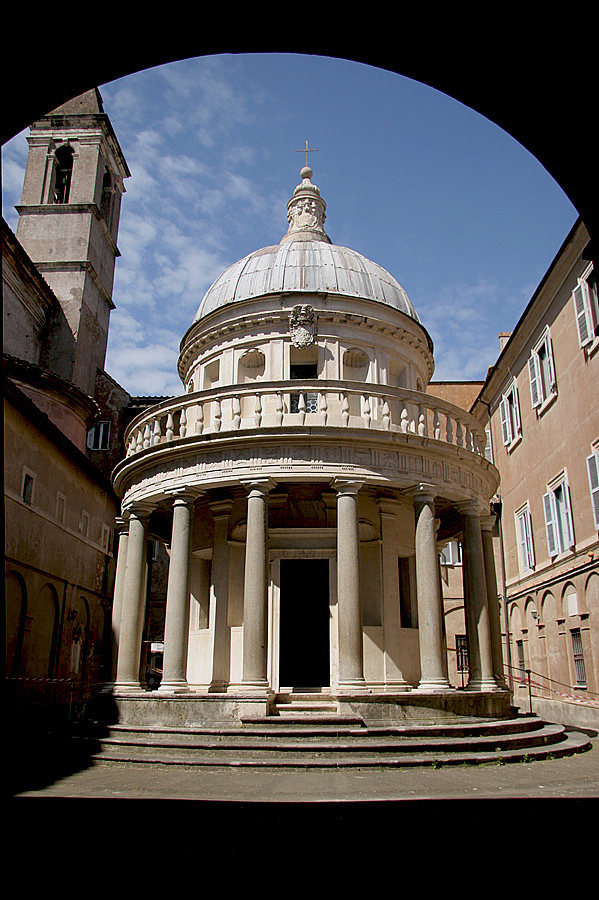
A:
{"x": 274, "y": 608}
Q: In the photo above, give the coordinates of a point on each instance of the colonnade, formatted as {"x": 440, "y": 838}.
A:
{"x": 480, "y": 592}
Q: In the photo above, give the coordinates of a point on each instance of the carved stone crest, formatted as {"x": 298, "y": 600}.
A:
{"x": 302, "y": 326}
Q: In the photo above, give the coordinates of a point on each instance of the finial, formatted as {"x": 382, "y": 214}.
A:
{"x": 307, "y": 150}
{"x": 306, "y": 172}
{"x": 306, "y": 209}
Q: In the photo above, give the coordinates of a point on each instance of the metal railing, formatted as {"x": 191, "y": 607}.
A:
{"x": 535, "y": 680}
{"x": 62, "y": 700}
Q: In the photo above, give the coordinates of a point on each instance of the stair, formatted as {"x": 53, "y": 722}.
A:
{"x": 307, "y": 736}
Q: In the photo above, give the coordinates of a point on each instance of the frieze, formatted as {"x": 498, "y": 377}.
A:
{"x": 222, "y": 466}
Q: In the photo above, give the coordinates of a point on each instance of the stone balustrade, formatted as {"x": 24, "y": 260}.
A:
{"x": 312, "y": 403}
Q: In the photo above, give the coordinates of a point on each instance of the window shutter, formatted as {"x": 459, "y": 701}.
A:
{"x": 531, "y": 552}
{"x": 523, "y": 545}
{"x": 505, "y": 421}
{"x": 535, "y": 379}
{"x": 569, "y": 529}
{"x": 550, "y": 364}
{"x": 90, "y": 438}
{"x": 516, "y": 409}
{"x": 593, "y": 470}
{"x": 550, "y": 511}
{"x": 583, "y": 317}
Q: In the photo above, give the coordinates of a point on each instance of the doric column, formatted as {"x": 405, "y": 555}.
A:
{"x": 487, "y": 523}
{"x": 133, "y": 602}
{"x": 122, "y": 525}
{"x": 480, "y": 657}
{"x": 176, "y": 626}
{"x": 433, "y": 663}
{"x": 349, "y": 611}
{"x": 219, "y": 604}
{"x": 255, "y": 589}
{"x": 394, "y": 679}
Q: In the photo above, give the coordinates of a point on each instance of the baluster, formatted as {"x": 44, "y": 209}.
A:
{"x": 170, "y": 427}
{"x": 345, "y": 409}
{"x": 459, "y": 435}
{"x": 413, "y": 423}
{"x": 199, "y": 418}
{"x": 404, "y": 424}
{"x": 217, "y": 414}
{"x": 301, "y": 408}
{"x": 324, "y": 409}
{"x": 183, "y": 423}
{"x": 258, "y": 411}
{"x": 449, "y": 432}
{"x": 469, "y": 443}
{"x": 366, "y": 414}
{"x": 156, "y": 431}
{"x": 422, "y": 423}
{"x": 130, "y": 446}
{"x": 146, "y": 437}
{"x": 386, "y": 414}
{"x": 236, "y": 413}
{"x": 279, "y": 409}
{"x": 436, "y": 426}
{"x": 138, "y": 440}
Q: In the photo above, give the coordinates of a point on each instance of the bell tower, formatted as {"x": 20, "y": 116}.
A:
{"x": 68, "y": 225}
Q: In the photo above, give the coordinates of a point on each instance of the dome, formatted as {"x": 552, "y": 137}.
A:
{"x": 305, "y": 261}
{"x": 305, "y": 266}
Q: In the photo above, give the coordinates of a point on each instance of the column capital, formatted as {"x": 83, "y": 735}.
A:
{"x": 261, "y": 485}
{"x": 422, "y": 492}
{"x": 140, "y": 509}
{"x": 388, "y": 506}
{"x": 487, "y": 523}
{"x": 220, "y": 508}
{"x": 347, "y": 486}
{"x": 184, "y": 494}
{"x": 472, "y": 507}
{"x": 122, "y": 522}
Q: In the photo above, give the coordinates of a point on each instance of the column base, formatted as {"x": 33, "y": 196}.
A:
{"x": 254, "y": 687}
{"x": 435, "y": 687}
{"x": 173, "y": 687}
{"x": 483, "y": 684}
{"x": 126, "y": 687}
{"x": 395, "y": 687}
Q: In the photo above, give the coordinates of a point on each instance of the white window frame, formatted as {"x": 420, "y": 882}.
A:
{"x": 509, "y": 411}
{"x": 541, "y": 373}
{"x": 526, "y": 553}
{"x": 98, "y": 437}
{"x": 557, "y": 509}
{"x": 451, "y": 554}
{"x": 593, "y": 473}
{"x": 586, "y": 309}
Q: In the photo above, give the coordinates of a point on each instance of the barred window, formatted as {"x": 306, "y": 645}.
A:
{"x": 579, "y": 668}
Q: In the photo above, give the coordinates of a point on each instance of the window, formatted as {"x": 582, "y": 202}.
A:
{"x": 509, "y": 410}
{"x": 593, "y": 470}
{"x": 27, "y": 487}
{"x": 543, "y": 385}
{"x": 408, "y": 613}
{"x": 451, "y": 554}
{"x": 299, "y": 373}
{"x": 61, "y": 504}
{"x": 105, "y": 537}
{"x": 579, "y": 668}
{"x": 84, "y": 523}
{"x": 586, "y": 307}
{"x": 558, "y": 517}
{"x": 461, "y": 646}
{"x": 98, "y": 437}
{"x": 488, "y": 444}
{"x": 524, "y": 537}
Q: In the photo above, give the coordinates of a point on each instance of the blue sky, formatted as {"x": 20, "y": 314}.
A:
{"x": 462, "y": 215}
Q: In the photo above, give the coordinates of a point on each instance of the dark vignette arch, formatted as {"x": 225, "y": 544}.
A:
{"x": 534, "y": 75}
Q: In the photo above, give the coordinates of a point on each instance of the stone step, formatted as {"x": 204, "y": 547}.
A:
{"x": 573, "y": 742}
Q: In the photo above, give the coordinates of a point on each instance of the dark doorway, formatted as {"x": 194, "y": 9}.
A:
{"x": 304, "y": 636}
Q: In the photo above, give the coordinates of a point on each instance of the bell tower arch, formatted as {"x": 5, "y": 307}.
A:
{"x": 68, "y": 225}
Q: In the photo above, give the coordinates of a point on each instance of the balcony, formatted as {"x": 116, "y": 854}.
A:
{"x": 304, "y": 404}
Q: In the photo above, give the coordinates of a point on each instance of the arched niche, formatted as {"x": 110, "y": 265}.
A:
{"x": 15, "y": 593}
{"x": 39, "y": 639}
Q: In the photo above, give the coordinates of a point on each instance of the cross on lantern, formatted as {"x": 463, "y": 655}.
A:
{"x": 307, "y": 150}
